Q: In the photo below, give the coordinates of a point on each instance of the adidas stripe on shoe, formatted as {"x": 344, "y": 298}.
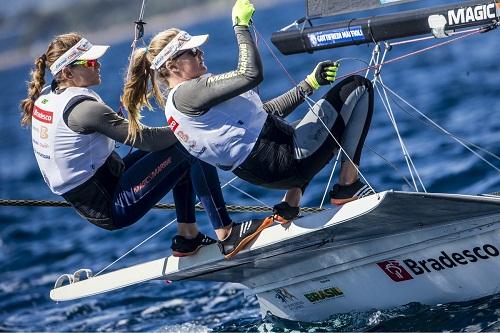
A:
{"x": 183, "y": 247}
{"x": 242, "y": 234}
{"x": 341, "y": 194}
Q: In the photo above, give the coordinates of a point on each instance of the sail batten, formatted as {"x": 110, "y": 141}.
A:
{"x": 321, "y": 8}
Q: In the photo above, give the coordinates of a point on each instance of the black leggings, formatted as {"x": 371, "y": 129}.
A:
{"x": 290, "y": 155}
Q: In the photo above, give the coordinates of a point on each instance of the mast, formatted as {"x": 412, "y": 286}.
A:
{"x": 436, "y": 20}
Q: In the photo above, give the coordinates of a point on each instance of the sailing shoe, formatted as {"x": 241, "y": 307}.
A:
{"x": 284, "y": 213}
{"x": 341, "y": 194}
{"x": 241, "y": 234}
{"x": 183, "y": 247}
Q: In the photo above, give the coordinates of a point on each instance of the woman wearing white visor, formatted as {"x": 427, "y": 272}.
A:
{"x": 74, "y": 135}
{"x": 222, "y": 121}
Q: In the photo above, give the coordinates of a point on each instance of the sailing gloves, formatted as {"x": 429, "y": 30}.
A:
{"x": 242, "y": 13}
{"x": 324, "y": 73}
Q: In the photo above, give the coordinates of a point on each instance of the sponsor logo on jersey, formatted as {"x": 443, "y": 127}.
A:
{"x": 397, "y": 272}
{"x": 42, "y": 115}
{"x": 152, "y": 175}
{"x": 324, "y": 294}
{"x": 42, "y": 155}
{"x": 472, "y": 14}
{"x": 172, "y": 123}
{"x": 40, "y": 144}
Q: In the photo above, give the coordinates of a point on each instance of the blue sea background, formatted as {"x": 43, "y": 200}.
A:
{"x": 456, "y": 85}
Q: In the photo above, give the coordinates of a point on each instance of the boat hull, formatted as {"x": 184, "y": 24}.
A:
{"x": 456, "y": 269}
{"x": 381, "y": 251}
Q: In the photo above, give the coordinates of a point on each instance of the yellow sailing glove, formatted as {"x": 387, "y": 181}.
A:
{"x": 324, "y": 73}
{"x": 242, "y": 12}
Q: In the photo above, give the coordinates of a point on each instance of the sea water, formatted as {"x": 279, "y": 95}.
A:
{"x": 457, "y": 86}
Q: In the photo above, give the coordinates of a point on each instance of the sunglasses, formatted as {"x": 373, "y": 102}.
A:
{"x": 85, "y": 63}
{"x": 194, "y": 51}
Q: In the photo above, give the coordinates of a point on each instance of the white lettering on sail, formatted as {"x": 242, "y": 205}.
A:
{"x": 471, "y": 14}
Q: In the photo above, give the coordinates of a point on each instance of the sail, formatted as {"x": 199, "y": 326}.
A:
{"x": 321, "y": 8}
{"x": 371, "y": 29}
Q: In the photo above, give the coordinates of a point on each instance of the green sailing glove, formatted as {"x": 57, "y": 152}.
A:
{"x": 324, "y": 73}
{"x": 242, "y": 12}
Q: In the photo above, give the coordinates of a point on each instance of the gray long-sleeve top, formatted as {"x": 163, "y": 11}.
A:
{"x": 90, "y": 116}
{"x": 197, "y": 96}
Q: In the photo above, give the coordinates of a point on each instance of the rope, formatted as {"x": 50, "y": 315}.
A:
{"x": 199, "y": 207}
{"x": 425, "y": 49}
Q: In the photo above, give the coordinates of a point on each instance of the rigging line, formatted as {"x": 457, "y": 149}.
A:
{"x": 375, "y": 57}
{"x": 136, "y": 247}
{"x": 402, "y": 142}
{"x": 397, "y": 133}
{"x": 372, "y": 61}
{"x": 308, "y": 99}
{"x": 292, "y": 80}
{"x": 411, "y": 165}
{"x": 441, "y": 128}
{"x": 377, "y": 77}
{"x": 330, "y": 179}
{"x": 413, "y": 53}
{"x": 407, "y": 181}
{"x": 150, "y": 237}
{"x": 139, "y": 26}
{"x": 311, "y": 107}
{"x": 470, "y": 143}
{"x": 250, "y": 196}
{"x": 421, "y": 39}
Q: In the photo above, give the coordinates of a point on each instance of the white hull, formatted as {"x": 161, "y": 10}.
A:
{"x": 333, "y": 261}
{"x": 362, "y": 284}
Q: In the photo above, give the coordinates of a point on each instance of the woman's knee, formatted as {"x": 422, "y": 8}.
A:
{"x": 342, "y": 90}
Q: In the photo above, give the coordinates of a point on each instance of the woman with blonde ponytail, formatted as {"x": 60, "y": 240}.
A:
{"x": 74, "y": 134}
{"x": 221, "y": 120}
{"x": 152, "y": 72}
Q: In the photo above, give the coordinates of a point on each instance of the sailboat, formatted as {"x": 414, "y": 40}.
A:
{"x": 380, "y": 251}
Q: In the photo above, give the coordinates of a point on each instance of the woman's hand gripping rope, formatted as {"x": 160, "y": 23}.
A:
{"x": 242, "y": 12}
{"x": 323, "y": 74}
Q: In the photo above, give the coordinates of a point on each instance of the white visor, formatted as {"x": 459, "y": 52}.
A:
{"x": 83, "y": 50}
{"x": 182, "y": 41}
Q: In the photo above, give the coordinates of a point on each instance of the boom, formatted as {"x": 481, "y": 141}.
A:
{"x": 387, "y": 27}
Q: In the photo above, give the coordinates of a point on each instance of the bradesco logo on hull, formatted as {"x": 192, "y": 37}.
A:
{"x": 398, "y": 272}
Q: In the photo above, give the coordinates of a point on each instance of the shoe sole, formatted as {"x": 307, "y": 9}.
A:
{"x": 283, "y": 221}
{"x": 266, "y": 223}
{"x": 186, "y": 254}
{"x": 340, "y": 202}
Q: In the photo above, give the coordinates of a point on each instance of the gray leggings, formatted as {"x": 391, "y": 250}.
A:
{"x": 290, "y": 155}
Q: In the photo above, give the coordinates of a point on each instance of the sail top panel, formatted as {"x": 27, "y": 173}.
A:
{"x": 323, "y": 8}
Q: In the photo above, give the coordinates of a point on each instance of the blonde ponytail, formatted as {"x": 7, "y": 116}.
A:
{"x": 35, "y": 86}
{"x": 135, "y": 92}
{"x": 56, "y": 48}
{"x": 142, "y": 82}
